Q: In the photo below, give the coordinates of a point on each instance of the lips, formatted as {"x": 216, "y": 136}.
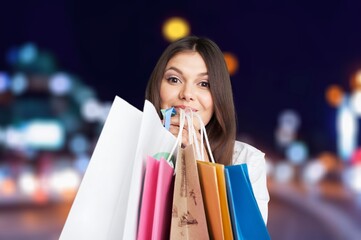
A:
{"x": 186, "y": 107}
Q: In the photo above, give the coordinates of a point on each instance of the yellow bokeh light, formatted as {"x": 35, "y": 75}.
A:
{"x": 232, "y": 62}
{"x": 334, "y": 95}
{"x": 175, "y": 28}
{"x": 356, "y": 81}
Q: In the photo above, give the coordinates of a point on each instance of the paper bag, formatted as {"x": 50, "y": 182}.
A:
{"x": 247, "y": 221}
{"x": 163, "y": 202}
{"x": 148, "y": 199}
{"x": 155, "y": 212}
{"x": 211, "y": 176}
{"x": 188, "y": 215}
{"x": 153, "y": 140}
{"x": 106, "y": 182}
{"x": 107, "y": 203}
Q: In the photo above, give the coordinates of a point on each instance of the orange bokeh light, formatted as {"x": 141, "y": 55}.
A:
{"x": 8, "y": 187}
{"x": 355, "y": 81}
{"x": 334, "y": 95}
{"x": 232, "y": 62}
{"x": 329, "y": 160}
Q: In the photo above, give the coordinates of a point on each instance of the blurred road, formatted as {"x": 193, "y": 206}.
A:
{"x": 293, "y": 214}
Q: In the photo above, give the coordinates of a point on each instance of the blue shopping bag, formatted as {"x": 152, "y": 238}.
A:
{"x": 246, "y": 218}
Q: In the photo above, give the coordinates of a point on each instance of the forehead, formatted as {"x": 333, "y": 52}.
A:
{"x": 187, "y": 59}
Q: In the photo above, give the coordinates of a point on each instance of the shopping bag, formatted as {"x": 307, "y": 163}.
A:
{"x": 154, "y": 140}
{"x": 247, "y": 221}
{"x": 155, "y": 212}
{"x": 211, "y": 176}
{"x": 188, "y": 215}
{"x": 163, "y": 202}
{"x": 145, "y": 226}
{"x": 106, "y": 182}
{"x": 107, "y": 203}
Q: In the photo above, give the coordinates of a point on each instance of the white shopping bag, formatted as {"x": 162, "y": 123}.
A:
{"x": 154, "y": 140}
{"x": 107, "y": 203}
{"x": 106, "y": 182}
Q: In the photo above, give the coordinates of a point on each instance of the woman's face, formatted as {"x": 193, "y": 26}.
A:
{"x": 185, "y": 84}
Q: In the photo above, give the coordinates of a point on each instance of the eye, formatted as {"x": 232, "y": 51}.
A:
{"x": 173, "y": 80}
{"x": 204, "y": 84}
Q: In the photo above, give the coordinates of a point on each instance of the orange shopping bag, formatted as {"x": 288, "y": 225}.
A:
{"x": 211, "y": 176}
{"x": 213, "y": 185}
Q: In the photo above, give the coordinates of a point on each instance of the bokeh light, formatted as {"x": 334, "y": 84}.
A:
{"x": 105, "y": 111}
{"x": 28, "y": 183}
{"x": 44, "y": 134}
{"x": 355, "y": 102}
{"x": 355, "y": 82}
{"x": 7, "y": 186}
{"x": 283, "y": 172}
{"x": 14, "y": 138}
{"x": 28, "y": 53}
{"x": 60, "y": 84}
{"x": 91, "y": 110}
{"x": 347, "y": 129}
{"x": 352, "y": 178}
{"x": 175, "y": 28}
{"x": 356, "y": 157}
{"x": 231, "y": 61}
{"x": 65, "y": 180}
{"x": 284, "y": 136}
{"x": 297, "y": 152}
{"x": 4, "y": 81}
{"x": 289, "y": 119}
{"x": 313, "y": 172}
{"x": 329, "y": 160}
{"x": 81, "y": 163}
{"x": 334, "y": 95}
{"x": 19, "y": 83}
{"x": 78, "y": 144}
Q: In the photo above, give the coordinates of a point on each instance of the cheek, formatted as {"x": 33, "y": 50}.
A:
{"x": 165, "y": 95}
{"x": 208, "y": 106}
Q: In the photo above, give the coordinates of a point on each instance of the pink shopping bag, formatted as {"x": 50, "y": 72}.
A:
{"x": 155, "y": 212}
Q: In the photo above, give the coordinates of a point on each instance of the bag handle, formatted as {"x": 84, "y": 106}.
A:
{"x": 204, "y": 132}
{"x": 192, "y": 137}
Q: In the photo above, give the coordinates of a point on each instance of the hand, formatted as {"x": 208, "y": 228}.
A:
{"x": 174, "y": 129}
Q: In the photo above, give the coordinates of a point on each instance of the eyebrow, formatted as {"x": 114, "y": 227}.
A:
{"x": 180, "y": 72}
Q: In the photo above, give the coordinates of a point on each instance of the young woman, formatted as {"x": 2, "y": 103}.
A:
{"x": 191, "y": 73}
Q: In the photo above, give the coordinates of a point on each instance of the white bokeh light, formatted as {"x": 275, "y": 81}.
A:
{"x": 28, "y": 183}
{"x": 352, "y": 178}
{"x": 283, "y": 172}
{"x": 284, "y": 136}
{"x": 60, "y": 84}
{"x": 313, "y": 172}
{"x": 297, "y": 152}
{"x": 289, "y": 119}
{"x": 91, "y": 110}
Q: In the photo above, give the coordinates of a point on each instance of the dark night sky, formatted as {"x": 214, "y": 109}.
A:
{"x": 288, "y": 52}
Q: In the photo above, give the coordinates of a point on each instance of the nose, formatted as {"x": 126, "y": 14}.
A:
{"x": 186, "y": 93}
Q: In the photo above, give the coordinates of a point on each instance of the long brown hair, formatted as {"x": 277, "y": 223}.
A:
{"x": 221, "y": 129}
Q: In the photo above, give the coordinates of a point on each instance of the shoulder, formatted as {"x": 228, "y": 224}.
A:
{"x": 243, "y": 153}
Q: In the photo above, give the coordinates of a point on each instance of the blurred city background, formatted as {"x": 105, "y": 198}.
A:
{"x": 296, "y": 73}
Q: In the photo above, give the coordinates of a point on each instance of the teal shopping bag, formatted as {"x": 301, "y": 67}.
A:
{"x": 246, "y": 218}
